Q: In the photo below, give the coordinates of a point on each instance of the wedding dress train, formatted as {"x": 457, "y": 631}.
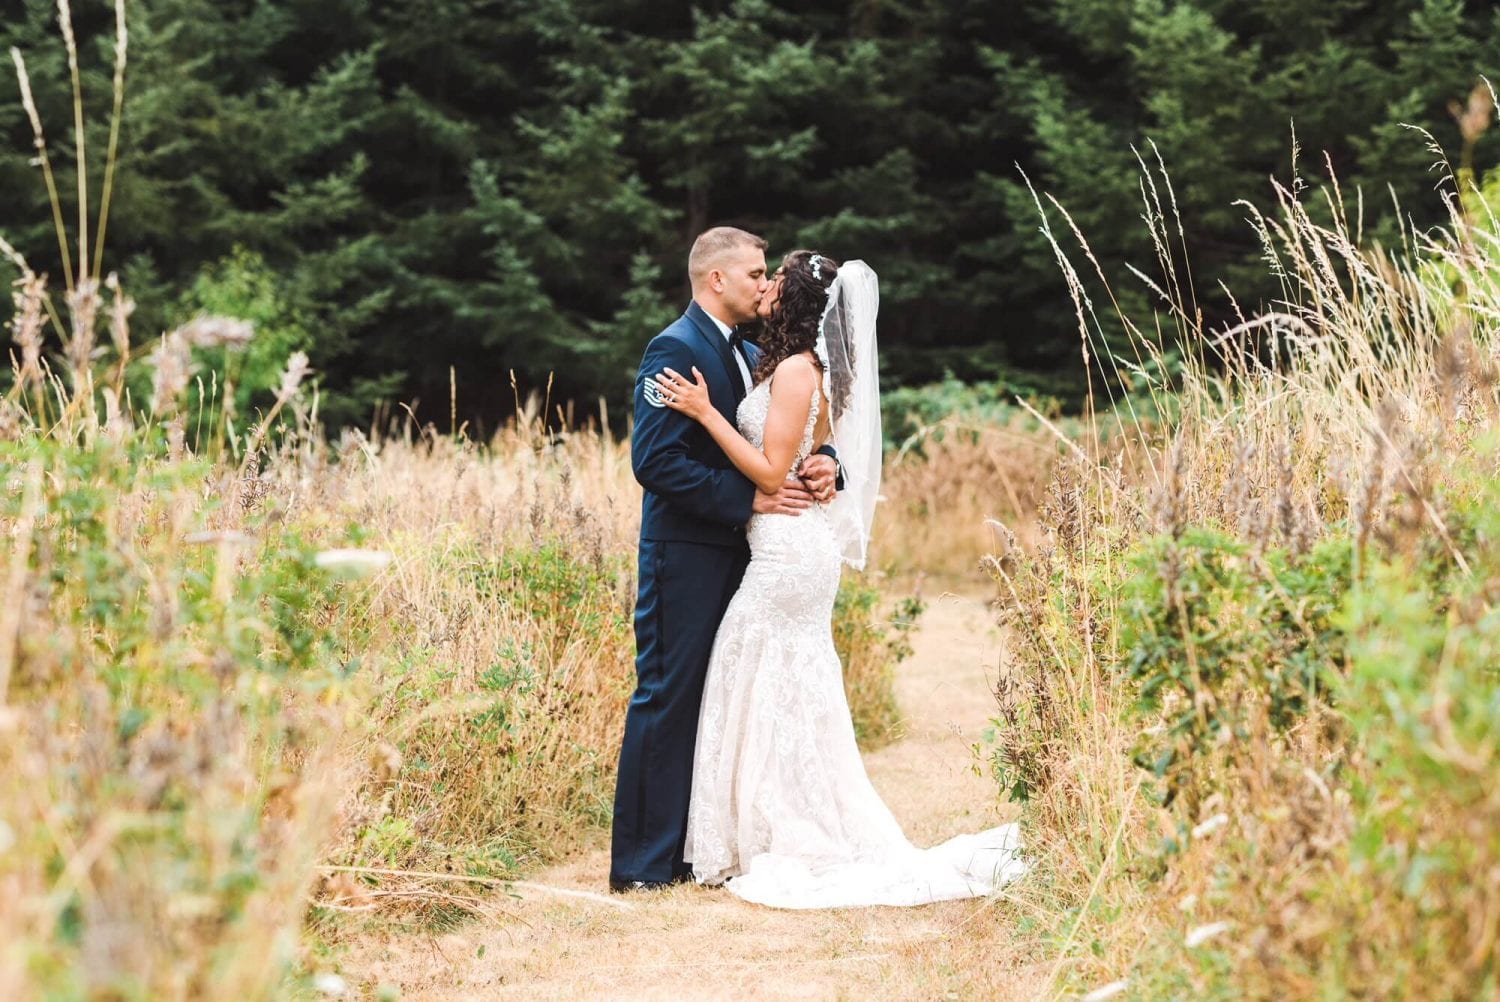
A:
{"x": 782, "y": 810}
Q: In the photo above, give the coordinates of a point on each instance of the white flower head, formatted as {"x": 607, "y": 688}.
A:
{"x": 1210, "y": 825}
{"x": 1204, "y": 933}
{"x": 330, "y": 984}
{"x": 230, "y": 536}
{"x": 217, "y": 332}
{"x": 291, "y": 377}
{"x": 353, "y": 563}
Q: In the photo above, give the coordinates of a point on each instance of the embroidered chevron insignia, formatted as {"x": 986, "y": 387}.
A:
{"x": 653, "y": 393}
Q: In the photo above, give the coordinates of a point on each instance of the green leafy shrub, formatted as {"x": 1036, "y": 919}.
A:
{"x": 870, "y": 646}
{"x": 910, "y": 410}
{"x": 1423, "y": 702}
{"x": 242, "y": 285}
{"x": 167, "y": 753}
{"x": 1217, "y": 637}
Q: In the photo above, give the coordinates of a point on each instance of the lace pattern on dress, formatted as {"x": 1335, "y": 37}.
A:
{"x": 781, "y": 805}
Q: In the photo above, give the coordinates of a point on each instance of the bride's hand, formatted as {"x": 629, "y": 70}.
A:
{"x": 819, "y": 473}
{"x": 680, "y": 394}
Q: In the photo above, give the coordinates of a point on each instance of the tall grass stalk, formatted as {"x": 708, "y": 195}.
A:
{"x": 39, "y": 139}
{"x": 111, "y": 160}
{"x": 80, "y": 155}
{"x": 1333, "y": 446}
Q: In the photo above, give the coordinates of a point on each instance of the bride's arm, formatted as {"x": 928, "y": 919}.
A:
{"x": 791, "y": 398}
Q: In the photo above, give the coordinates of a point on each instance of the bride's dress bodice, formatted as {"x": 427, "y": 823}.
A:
{"x": 756, "y": 408}
{"x": 800, "y": 547}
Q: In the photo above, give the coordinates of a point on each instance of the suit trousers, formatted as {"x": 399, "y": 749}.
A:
{"x": 684, "y": 589}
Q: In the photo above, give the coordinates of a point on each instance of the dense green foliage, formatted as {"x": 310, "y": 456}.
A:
{"x": 190, "y": 687}
{"x": 1218, "y": 639}
{"x": 480, "y": 186}
{"x": 875, "y": 645}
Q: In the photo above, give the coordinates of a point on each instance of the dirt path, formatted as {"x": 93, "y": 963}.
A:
{"x": 699, "y": 943}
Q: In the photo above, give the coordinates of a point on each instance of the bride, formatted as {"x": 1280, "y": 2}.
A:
{"x": 782, "y": 812}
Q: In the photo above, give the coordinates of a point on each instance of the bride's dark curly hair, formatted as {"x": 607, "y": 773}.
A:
{"x": 793, "y": 326}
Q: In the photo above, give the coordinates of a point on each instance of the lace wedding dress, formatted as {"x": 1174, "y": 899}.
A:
{"x": 781, "y": 807}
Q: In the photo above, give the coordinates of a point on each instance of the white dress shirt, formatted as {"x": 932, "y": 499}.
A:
{"x": 739, "y": 356}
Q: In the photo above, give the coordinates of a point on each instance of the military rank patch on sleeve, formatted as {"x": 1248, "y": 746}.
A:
{"x": 652, "y": 391}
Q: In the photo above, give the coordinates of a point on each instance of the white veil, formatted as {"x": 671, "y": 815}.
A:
{"x": 851, "y": 381}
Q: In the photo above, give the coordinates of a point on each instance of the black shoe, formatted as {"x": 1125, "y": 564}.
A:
{"x": 628, "y": 886}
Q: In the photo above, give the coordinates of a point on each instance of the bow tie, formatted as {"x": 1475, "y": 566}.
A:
{"x": 736, "y": 338}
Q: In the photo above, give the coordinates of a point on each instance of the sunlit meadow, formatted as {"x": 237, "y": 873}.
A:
{"x": 256, "y": 684}
{"x": 1252, "y": 704}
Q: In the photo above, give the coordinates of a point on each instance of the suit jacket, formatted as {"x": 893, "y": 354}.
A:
{"x": 693, "y": 492}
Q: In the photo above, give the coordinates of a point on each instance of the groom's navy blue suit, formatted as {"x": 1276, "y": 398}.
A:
{"x": 692, "y": 555}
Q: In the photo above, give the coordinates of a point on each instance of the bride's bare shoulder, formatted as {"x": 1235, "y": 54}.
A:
{"x": 795, "y": 372}
{"x": 791, "y": 388}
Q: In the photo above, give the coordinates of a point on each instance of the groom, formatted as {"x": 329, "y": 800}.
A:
{"x": 692, "y": 551}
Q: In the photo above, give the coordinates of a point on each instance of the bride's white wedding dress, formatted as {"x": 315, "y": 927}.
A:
{"x": 781, "y": 807}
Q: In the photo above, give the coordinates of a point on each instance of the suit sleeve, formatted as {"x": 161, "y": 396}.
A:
{"x": 659, "y": 449}
{"x": 838, "y": 467}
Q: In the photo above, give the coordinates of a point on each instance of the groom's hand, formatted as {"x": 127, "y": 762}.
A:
{"x": 790, "y": 500}
{"x": 818, "y": 473}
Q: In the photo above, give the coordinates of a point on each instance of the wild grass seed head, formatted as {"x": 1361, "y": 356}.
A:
{"x": 120, "y": 309}
{"x": 28, "y": 324}
{"x": 1475, "y": 115}
{"x": 172, "y": 364}
{"x": 83, "y": 306}
{"x": 296, "y": 370}
{"x": 220, "y": 332}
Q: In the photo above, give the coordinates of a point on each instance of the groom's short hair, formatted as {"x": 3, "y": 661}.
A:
{"x": 711, "y": 246}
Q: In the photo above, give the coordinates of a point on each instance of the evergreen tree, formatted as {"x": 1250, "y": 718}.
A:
{"x": 490, "y": 187}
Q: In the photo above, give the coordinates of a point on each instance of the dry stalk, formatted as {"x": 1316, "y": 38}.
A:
{"x": 16, "y": 599}
{"x": 39, "y": 139}
{"x": 112, "y": 156}
{"x": 65, "y": 21}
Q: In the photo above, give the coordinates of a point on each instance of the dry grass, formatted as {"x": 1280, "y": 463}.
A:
{"x": 945, "y": 489}
{"x": 1355, "y": 413}
{"x": 571, "y": 942}
{"x": 205, "y": 728}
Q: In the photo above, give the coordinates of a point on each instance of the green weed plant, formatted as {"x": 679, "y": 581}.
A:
{"x": 1251, "y": 712}
{"x": 870, "y": 643}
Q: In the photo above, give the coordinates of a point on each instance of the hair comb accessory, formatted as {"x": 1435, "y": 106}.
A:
{"x": 815, "y": 262}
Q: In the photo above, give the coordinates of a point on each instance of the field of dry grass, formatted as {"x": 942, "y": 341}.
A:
{"x": 257, "y": 686}
{"x": 946, "y": 490}
{"x": 1251, "y": 714}
{"x": 272, "y": 705}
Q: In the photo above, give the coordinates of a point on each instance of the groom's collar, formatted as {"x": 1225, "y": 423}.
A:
{"x": 725, "y": 329}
